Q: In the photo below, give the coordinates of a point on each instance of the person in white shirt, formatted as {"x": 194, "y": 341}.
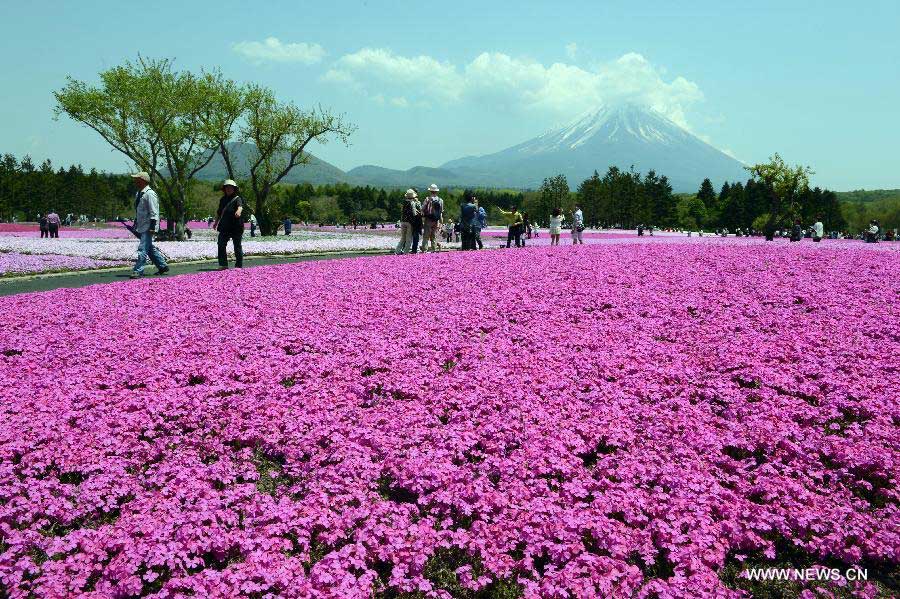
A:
{"x": 872, "y": 232}
{"x": 577, "y": 226}
{"x": 818, "y": 230}
{"x": 146, "y": 219}
{"x": 556, "y": 219}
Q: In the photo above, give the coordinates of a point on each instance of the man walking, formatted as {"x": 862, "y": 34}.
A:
{"x": 432, "y": 211}
{"x": 253, "y": 225}
{"x": 230, "y": 224}
{"x": 146, "y": 218}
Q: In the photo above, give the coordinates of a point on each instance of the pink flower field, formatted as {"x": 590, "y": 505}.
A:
{"x": 609, "y": 420}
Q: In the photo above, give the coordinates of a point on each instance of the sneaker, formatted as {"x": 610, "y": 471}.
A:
{"x": 163, "y": 270}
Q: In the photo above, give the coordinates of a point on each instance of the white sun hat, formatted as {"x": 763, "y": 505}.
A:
{"x": 433, "y": 187}
{"x": 411, "y": 193}
{"x": 143, "y": 176}
{"x": 230, "y": 182}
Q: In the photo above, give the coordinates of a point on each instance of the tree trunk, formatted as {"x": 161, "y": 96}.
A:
{"x": 177, "y": 227}
{"x": 267, "y": 226}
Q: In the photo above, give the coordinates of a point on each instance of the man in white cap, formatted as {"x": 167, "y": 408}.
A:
{"x": 146, "y": 218}
{"x": 432, "y": 210}
{"x": 230, "y": 224}
{"x": 407, "y": 216}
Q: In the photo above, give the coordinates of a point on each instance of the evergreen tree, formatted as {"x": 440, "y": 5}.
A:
{"x": 554, "y": 193}
{"x": 707, "y": 195}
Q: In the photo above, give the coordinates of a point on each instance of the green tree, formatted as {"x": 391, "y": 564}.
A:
{"x": 691, "y": 213}
{"x": 783, "y": 184}
{"x": 279, "y": 133}
{"x": 707, "y": 195}
{"x": 661, "y": 201}
{"x": 554, "y": 193}
{"x": 158, "y": 117}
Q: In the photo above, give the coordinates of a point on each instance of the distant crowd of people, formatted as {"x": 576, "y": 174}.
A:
{"x": 422, "y": 221}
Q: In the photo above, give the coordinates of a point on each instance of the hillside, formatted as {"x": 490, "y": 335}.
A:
{"x": 316, "y": 172}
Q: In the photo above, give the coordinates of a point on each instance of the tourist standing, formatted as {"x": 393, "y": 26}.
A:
{"x": 448, "y": 230}
{"x": 577, "y": 226}
{"x": 146, "y": 219}
{"x": 796, "y": 231}
{"x": 406, "y": 222}
{"x": 287, "y": 225}
{"x": 872, "y": 232}
{"x": 230, "y": 225}
{"x": 818, "y": 230}
{"x": 53, "y": 224}
{"x": 556, "y": 219}
{"x": 416, "y": 221}
{"x": 467, "y": 214}
{"x": 479, "y": 223}
{"x": 515, "y": 223}
{"x": 253, "y": 225}
{"x": 42, "y": 225}
{"x": 432, "y": 212}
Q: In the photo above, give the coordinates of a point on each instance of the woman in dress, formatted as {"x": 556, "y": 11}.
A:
{"x": 555, "y": 226}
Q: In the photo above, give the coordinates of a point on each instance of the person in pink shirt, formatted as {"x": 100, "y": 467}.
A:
{"x": 53, "y": 224}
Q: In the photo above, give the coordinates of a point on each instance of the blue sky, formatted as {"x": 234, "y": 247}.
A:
{"x": 428, "y": 82}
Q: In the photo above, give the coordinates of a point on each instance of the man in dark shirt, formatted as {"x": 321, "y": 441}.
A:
{"x": 467, "y": 214}
{"x": 230, "y": 224}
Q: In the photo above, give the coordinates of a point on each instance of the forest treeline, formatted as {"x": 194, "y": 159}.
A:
{"x": 618, "y": 198}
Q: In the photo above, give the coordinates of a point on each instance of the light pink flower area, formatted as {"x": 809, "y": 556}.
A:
{"x": 74, "y": 233}
{"x": 598, "y": 421}
{"x": 14, "y": 263}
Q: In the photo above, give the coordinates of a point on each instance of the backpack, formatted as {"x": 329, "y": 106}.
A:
{"x": 432, "y": 209}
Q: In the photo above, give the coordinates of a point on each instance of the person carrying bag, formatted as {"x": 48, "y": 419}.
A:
{"x": 230, "y": 224}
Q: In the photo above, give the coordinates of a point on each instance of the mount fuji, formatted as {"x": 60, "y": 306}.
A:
{"x": 623, "y": 136}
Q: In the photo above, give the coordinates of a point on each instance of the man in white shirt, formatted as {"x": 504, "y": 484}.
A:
{"x": 146, "y": 218}
{"x": 818, "y": 230}
{"x": 577, "y": 225}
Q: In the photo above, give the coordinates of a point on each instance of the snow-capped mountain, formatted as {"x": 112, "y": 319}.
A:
{"x": 623, "y": 136}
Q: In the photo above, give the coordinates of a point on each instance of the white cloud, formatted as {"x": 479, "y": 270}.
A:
{"x": 378, "y": 69}
{"x": 572, "y": 50}
{"x": 558, "y": 90}
{"x": 272, "y": 49}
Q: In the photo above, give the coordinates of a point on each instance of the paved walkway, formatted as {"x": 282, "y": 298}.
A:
{"x": 31, "y": 283}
